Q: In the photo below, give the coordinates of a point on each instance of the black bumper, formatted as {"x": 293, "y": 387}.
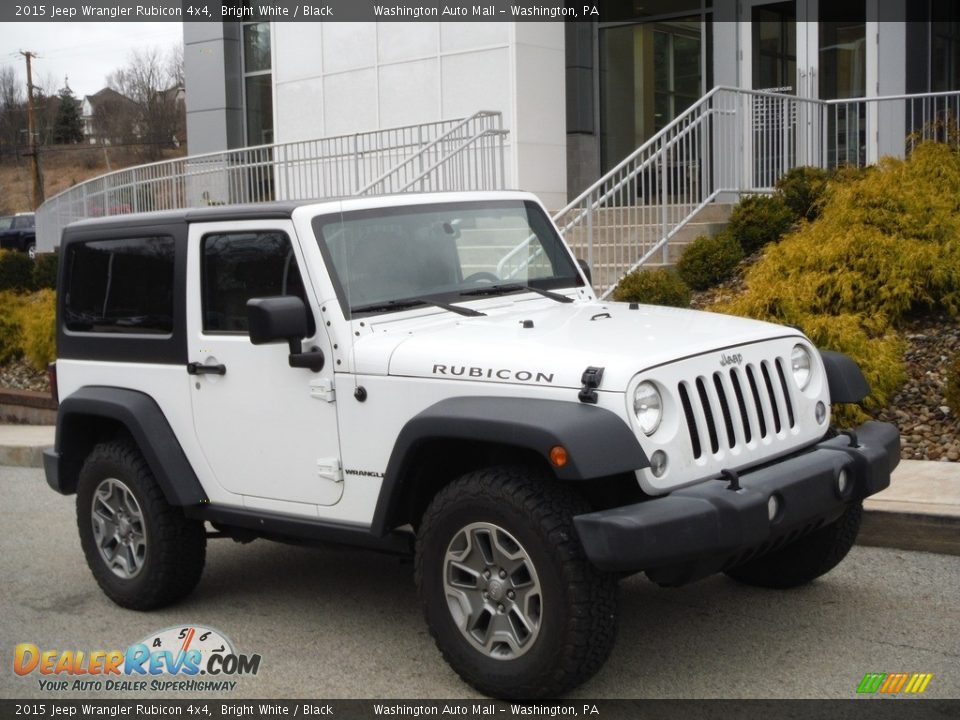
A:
{"x": 702, "y": 529}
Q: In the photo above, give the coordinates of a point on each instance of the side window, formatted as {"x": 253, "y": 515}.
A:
{"x": 238, "y": 266}
{"x": 120, "y": 286}
{"x": 23, "y": 222}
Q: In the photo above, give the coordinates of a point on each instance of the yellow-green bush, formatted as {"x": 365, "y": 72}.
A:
{"x": 708, "y": 261}
{"x": 28, "y": 327}
{"x": 654, "y": 287}
{"x": 887, "y": 242}
{"x": 16, "y": 270}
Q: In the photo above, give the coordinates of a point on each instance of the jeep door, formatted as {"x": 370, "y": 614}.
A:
{"x": 268, "y": 431}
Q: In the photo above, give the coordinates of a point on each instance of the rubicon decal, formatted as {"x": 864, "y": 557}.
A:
{"x": 180, "y": 652}
{"x": 900, "y": 683}
{"x": 481, "y": 373}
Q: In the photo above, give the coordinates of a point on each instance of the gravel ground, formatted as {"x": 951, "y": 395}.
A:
{"x": 929, "y": 430}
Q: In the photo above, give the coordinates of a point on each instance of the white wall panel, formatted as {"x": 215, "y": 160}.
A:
{"x": 409, "y": 93}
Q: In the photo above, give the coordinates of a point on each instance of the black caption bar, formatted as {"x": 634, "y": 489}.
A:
{"x": 296, "y": 10}
{"x": 860, "y": 709}
{"x": 425, "y": 10}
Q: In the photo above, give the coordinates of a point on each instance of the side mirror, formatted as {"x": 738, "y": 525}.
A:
{"x": 276, "y": 319}
{"x": 283, "y": 319}
{"x": 586, "y": 269}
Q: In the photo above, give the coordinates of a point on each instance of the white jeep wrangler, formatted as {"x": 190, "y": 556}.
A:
{"x": 432, "y": 374}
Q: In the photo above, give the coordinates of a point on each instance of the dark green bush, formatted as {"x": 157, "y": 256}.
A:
{"x": 802, "y": 189}
{"x": 654, "y": 287}
{"x": 708, "y": 261}
{"x": 45, "y": 271}
{"x": 16, "y": 271}
{"x": 758, "y": 220}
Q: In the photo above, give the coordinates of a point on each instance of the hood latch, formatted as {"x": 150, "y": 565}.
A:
{"x": 591, "y": 381}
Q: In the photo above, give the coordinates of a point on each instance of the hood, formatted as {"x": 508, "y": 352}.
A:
{"x": 550, "y": 344}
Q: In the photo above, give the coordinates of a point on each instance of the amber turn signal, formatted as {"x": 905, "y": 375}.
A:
{"x": 558, "y": 455}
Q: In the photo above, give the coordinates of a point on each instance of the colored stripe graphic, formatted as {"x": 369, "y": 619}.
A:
{"x": 894, "y": 683}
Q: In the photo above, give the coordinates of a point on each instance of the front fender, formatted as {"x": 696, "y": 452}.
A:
{"x": 598, "y": 443}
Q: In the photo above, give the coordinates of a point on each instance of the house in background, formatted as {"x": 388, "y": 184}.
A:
{"x": 108, "y": 117}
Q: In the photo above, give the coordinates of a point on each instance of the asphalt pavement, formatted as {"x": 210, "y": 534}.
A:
{"x": 336, "y": 623}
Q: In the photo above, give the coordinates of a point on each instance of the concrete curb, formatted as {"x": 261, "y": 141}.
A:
{"x": 23, "y": 445}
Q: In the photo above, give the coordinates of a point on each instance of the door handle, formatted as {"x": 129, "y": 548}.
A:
{"x": 195, "y": 368}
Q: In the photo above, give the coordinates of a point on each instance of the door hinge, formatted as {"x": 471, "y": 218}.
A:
{"x": 322, "y": 389}
{"x": 329, "y": 469}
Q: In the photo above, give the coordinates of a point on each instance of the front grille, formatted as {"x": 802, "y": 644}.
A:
{"x": 734, "y": 406}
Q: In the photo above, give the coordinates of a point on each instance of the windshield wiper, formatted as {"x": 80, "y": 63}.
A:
{"x": 413, "y": 302}
{"x": 517, "y": 287}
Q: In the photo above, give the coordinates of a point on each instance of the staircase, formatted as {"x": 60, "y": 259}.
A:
{"x": 682, "y": 181}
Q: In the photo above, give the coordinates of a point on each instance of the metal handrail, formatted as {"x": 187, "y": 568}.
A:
{"x": 335, "y": 166}
{"x": 731, "y": 142}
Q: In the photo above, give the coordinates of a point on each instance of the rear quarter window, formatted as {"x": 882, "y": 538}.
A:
{"x": 120, "y": 286}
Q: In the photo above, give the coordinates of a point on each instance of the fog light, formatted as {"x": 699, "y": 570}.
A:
{"x": 843, "y": 483}
{"x": 773, "y": 508}
{"x": 821, "y": 411}
{"x": 658, "y": 463}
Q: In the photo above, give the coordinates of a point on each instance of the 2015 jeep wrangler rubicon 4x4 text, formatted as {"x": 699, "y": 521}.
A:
{"x": 433, "y": 374}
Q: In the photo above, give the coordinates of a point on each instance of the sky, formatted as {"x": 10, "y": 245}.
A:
{"x": 86, "y": 52}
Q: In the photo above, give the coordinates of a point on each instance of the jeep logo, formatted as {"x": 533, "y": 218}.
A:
{"x": 735, "y": 359}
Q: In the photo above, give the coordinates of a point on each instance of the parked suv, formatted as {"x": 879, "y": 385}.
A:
{"x": 18, "y": 232}
{"x": 432, "y": 374}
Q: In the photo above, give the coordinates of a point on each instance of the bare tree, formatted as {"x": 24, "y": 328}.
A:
{"x": 13, "y": 117}
{"x": 151, "y": 79}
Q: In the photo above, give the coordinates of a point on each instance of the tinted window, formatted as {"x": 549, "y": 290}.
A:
{"x": 240, "y": 266}
{"x": 120, "y": 286}
{"x": 23, "y": 221}
{"x": 5, "y": 222}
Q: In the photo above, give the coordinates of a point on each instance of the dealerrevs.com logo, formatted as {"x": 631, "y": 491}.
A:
{"x": 184, "y": 658}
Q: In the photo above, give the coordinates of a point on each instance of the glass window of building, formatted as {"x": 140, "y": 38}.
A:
{"x": 653, "y": 66}
{"x": 257, "y": 83}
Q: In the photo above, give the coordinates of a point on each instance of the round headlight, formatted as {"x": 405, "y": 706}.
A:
{"x": 648, "y": 407}
{"x": 800, "y": 364}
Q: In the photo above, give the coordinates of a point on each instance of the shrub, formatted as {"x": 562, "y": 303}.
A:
{"x": 708, "y": 261}
{"x": 802, "y": 189}
{"x": 11, "y": 332}
{"x": 887, "y": 242}
{"x": 37, "y": 316}
{"x": 655, "y": 287}
{"x": 45, "y": 271}
{"x": 759, "y": 220}
{"x": 16, "y": 270}
{"x": 952, "y": 390}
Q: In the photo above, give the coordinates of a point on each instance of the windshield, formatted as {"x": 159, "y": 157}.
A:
{"x": 380, "y": 258}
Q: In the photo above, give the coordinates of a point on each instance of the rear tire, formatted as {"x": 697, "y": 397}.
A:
{"x": 543, "y": 625}
{"x": 806, "y": 559}
{"x": 143, "y": 552}
{"x": 32, "y": 251}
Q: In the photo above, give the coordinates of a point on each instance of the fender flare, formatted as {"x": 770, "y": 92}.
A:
{"x": 146, "y": 423}
{"x": 844, "y": 378}
{"x": 598, "y": 442}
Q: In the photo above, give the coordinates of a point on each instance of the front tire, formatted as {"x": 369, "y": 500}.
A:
{"x": 143, "y": 552}
{"x": 512, "y": 602}
{"x": 806, "y": 559}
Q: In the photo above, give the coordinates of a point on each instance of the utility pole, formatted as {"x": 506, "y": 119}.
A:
{"x": 38, "y": 195}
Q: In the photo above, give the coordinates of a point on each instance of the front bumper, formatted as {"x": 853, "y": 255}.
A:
{"x": 705, "y": 528}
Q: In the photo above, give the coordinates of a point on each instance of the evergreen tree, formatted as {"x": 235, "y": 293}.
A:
{"x": 68, "y": 127}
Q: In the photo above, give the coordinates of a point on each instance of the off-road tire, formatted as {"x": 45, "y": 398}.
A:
{"x": 806, "y": 559}
{"x": 579, "y": 610}
{"x": 175, "y": 545}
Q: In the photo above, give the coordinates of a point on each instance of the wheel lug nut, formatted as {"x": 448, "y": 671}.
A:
{"x": 503, "y": 573}
{"x": 511, "y": 594}
{"x": 486, "y": 574}
{"x": 499, "y": 608}
{"x": 486, "y": 594}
